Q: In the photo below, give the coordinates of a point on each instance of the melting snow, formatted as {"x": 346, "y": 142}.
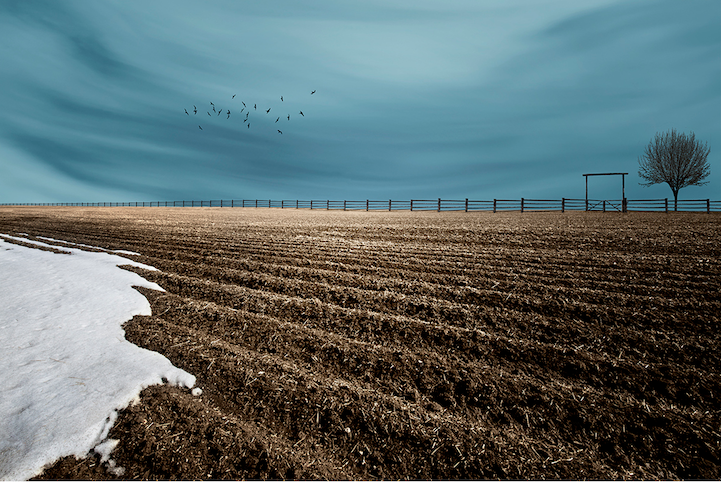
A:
{"x": 65, "y": 366}
{"x": 117, "y": 251}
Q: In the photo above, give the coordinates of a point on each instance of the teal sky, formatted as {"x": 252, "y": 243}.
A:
{"x": 414, "y": 99}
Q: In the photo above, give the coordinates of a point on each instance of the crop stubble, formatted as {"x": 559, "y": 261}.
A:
{"x": 416, "y": 345}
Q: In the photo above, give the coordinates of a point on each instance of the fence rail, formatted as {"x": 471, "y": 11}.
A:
{"x": 466, "y": 205}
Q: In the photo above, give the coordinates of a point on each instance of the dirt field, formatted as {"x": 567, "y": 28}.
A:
{"x": 354, "y": 345}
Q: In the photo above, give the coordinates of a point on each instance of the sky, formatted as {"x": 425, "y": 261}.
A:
{"x": 413, "y": 99}
{"x": 66, "y": 367}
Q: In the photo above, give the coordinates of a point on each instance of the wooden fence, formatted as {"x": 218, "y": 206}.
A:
{"x": 467, "y": 205}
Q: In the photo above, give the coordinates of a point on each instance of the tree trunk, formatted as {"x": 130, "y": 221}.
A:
{"x": 675, "y": 201}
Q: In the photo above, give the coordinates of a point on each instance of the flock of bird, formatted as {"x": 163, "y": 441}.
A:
{"x": 218, "y": 112}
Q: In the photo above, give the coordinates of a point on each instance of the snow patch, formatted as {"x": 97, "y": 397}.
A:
{"x": 66, "y": 368}
{"x": 105, "y": 448}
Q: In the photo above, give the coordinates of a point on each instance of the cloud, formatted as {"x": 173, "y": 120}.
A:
{"x": 84, "y": 42}
{"x": 476, "y": 98}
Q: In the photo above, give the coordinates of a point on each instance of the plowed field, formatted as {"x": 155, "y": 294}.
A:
{"x": 351, "y": 345}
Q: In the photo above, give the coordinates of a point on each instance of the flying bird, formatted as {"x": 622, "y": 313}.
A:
{"x": 277, "y": 119}
{"x": 288, "y": 116}
{"x": 208, "y": 113}
{"x": 267, "y": 111}
{"x": 280, "y": 131}
{"x": 212, "y": 103}
{"x": 248, "y": 125}
{"x": 312, "y": 92}
{"x": 213, "y": 108}
{"x": 281, "y": 98}
{"x": 195, "y": 110}
{"x": 186, "y": 111}
{"x": 301, "y": 113}
{"x": 241, "y": 110}
{"x": 255, "y": 106}
{"x": 200, "y": 128}
{"x": 233, "y": 96}
{"x": 228, "y": 114}
{"x": 220, "y": 112}
{"x": 243, "y": 103}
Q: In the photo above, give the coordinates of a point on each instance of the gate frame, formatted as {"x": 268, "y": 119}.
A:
{"x": 623, "y": 186}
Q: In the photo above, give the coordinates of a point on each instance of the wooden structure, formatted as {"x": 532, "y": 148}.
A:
{"x": 623, "y": 186}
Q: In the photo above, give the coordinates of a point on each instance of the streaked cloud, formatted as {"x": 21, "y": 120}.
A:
{"x": 414, "y": 99}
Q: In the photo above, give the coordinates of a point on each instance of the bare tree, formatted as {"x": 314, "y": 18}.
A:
{"x": 676, "y": 159}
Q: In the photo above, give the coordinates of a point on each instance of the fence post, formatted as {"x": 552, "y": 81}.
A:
{"x": 344, "y": 201}
{"x": 563, "y": 204}
{"x": 604, "y": 205}
{"x": 439, "y": 204}
{"x": 311, "y": 204}
{"x": 367, "y": 204}
{"x": 411, "y": 204}
{"x": 494, "y": 205}
{"x": 389, "y": 204}
{"x": 522, "y": 204}
{"x": 466, "y": 204}
{"x": 296, "y": 204}
{"x": 708, "y": 206}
